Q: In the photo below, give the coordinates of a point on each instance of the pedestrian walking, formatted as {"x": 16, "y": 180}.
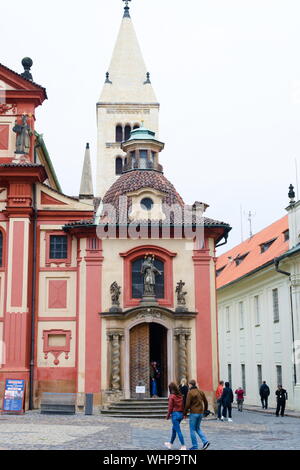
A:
{"x": 227, "y": 400}
{"x": 240, "y": 398}
{"x": 196, "y": 403}
{"x": 264, "y": 392}
{"x": 282, "y": 396}
{"x": 175, "y": 410}
{"x": 184, "y": 389}
{"x": 219, "y": 392}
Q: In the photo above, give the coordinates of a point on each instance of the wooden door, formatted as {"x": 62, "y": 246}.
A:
{"x": 139, "y": 359}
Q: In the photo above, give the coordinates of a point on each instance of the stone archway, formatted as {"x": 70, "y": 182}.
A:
{"x": 147, "y": 342}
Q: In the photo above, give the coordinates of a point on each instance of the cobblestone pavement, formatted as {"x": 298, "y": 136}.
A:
{"x": 248, "y": 431}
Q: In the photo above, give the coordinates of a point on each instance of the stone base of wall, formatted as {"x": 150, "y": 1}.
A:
{"x": 53, "y": 386}
{"x": 109, "y": 397}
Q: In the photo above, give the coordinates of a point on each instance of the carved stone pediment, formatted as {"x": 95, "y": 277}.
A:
{"x": 149, "y": 314}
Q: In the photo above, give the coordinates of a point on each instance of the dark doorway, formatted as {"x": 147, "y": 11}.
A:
{"x": 158, "y": 353}
{"x": 148, "y": 342}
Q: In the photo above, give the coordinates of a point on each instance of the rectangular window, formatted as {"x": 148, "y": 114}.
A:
{"x": 229, "y": 374}
{"x": 279, "y": 375}
{"x": 143, "y": 159}
{"x": 243, "y": 373}
{"x": 286, "y": 235}
{"x": 275, "y": 306}
{"x": 256, "y": 310}
{"x": 259, "y": 375}
{"x": 241, "y": 315}
{"x": 227, "y": 319}
{"x": 58, "y": 247}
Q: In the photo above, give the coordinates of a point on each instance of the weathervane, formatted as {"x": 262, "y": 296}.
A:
{"x": 126, "y": 8}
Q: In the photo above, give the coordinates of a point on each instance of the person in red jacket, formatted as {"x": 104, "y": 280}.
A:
{"x": 175, "y": 411}
{"x": 240, "y": 398}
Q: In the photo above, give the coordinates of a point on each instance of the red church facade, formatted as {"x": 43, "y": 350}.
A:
{"x": 60, "y": 328}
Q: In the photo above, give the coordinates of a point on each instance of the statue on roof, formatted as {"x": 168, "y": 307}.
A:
{"x": 24, "y": 134}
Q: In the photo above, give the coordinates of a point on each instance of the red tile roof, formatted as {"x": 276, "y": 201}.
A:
{"x": 252, "y": 248}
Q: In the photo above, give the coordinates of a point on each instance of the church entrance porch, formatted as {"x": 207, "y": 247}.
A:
{"x": 148, "y": 344}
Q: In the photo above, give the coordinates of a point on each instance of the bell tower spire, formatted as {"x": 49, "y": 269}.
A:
{"x": 127, "y": 99}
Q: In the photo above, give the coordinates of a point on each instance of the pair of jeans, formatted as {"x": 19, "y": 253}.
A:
{"x": 225, "y": 408}
{"x": 280, "y": 408}
{"x": 264, "y": 402}
{"x": 177, "y": 417}
{"x": 240, "y": 405}
{"x": 153, "y": 387}
{"x": 195, "y": 428}
{"x": 219, "y": 403}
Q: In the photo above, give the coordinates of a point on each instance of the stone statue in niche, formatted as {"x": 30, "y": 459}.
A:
{"x": 181, "y": 301}
{"x": 24, "y": 133}
{"x": 149, "y": 271}
{"x": 115, "y": 291}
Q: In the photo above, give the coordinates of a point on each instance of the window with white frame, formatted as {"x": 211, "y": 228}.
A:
{"x": 275, "y": 306}
{"x": 241, "y": 315}
{"x": 227, "y": 315}
{"x": 243, "y": 374}
{"x": 256, "y": 310}
{"x": 229, "y": 374}
{"x": 279, "y": 375}
{"x": 259, "y": 375}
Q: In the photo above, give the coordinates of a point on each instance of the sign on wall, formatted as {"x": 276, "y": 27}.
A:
{"x": 14, "y": 393}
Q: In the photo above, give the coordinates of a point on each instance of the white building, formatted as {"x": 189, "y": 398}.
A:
{"x": 258, "y": 308}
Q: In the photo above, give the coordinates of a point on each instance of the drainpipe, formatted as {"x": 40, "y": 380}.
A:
{"x": 33, "y": 291}
{"x": 277, "y": 261}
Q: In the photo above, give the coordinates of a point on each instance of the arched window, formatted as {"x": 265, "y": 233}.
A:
{"x": 1, "y": 249}
{"x": 136, "y": 126}
{"x": 127, "y": 131}
{"x": 119, "y": 166}
{"x": 119, "y": 133}
{"x": 138, "y": 281}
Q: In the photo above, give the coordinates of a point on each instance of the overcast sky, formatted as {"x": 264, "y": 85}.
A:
{"x": 227, "y": 75}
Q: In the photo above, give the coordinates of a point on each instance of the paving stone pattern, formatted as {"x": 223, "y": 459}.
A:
{"x": 248, "y": 431}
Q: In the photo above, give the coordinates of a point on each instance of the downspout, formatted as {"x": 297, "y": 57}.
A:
{"x": 33, "y": 294}
{"x": 277, "y": 261}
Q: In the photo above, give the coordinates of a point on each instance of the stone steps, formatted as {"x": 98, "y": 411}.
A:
{"x": 151, "y": 408}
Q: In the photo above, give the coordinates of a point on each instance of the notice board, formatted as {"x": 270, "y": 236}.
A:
{"x": 14, "y": 395}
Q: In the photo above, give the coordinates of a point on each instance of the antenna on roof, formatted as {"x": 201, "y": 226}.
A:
{"x": 250, "y": 217}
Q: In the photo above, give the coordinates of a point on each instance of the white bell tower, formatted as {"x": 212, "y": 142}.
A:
{"x": 127, "y": 101}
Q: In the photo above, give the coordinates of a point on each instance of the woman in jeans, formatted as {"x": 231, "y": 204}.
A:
{"x": 175, "y": 410}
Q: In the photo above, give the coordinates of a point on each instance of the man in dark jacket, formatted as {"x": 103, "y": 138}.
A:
{"x": 227, "y": 400}
{"x": 264, "y": 392}
{"x": 282, "y": 396}
{"x": 196, "y": 402}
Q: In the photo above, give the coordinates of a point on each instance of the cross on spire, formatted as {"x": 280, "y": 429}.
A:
{"x": 126, "y": 9}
